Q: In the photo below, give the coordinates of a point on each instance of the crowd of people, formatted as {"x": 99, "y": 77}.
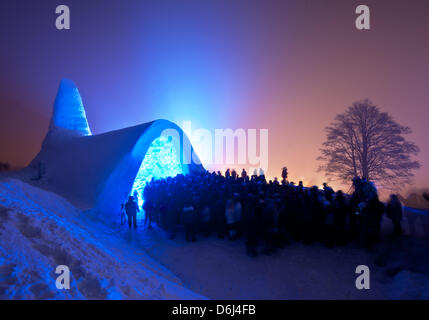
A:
{"x": 268, "y": 215}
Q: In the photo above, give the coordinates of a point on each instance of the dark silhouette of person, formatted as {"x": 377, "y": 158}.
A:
{"x": 372, "y": 213}
{"x": 394, "y": 213}
{"x": 234, "y": 174}
{"x": 131, "y": 209}
{"x": 219, "y": 216}
{"x": 313, "y": 216}
{"x": 270, "y": 226}
{"x": 163, "y": 213}
{"x": 136, "y": 196}
{"x": 329, "y": 192}
{"x": 189, "y": 220}
{"x": 341, "y": 212}
{"x": 149, "y": 208}
{"x": 230, "y": 218}
{"x": 243, "y": 174}
{"x": 206, "y": 219}
{"x": 356, "y": 203}
{"x": 227, "y": 173}
{"x": 250, "y": 223}
{"x": 267, "y": 214}
{"x": 171, "y": 216}
{"x": 300, "y": 186}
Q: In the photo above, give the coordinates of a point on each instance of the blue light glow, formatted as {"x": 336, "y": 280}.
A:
{"x": 160, "y": 161}
{"x": 69, "y": 112}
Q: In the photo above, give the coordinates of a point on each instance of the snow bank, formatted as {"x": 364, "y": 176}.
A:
{"x": 40, "y": 230}
{"x": 410, "y": 285}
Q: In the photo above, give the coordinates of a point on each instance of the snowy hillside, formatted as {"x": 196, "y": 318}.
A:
{"x": 39, "y": 230}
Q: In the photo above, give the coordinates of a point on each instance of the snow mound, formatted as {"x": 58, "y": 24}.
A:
{"x": 40, "y": 230}
{"x": 410, "y": 285}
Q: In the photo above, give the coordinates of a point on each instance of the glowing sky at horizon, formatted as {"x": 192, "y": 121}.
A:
{"x": 285, "y": 65}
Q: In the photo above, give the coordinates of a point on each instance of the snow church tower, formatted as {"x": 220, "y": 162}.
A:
{"x": 100, "y": 171}
{"x": 69, "y": 117}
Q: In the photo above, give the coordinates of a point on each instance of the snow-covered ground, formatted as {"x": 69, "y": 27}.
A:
{"x": 40, "y": 230}
{"x": 220, "y": 269}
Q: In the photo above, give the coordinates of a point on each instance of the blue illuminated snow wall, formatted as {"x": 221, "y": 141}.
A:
{"x": 160, "y": 161}
{"x": 157, "y": 149}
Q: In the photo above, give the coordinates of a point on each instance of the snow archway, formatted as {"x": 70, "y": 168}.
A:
{"x": 155, "y": 149}
{"x": 161, "y": 161}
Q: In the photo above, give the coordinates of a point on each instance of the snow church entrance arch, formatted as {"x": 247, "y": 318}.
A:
{"x": 95, "y": 171}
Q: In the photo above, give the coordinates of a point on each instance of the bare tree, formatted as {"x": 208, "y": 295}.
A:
{"x": 365, "y": 142}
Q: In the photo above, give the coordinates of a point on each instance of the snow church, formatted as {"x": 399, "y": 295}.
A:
{"x": 100, "y": 171}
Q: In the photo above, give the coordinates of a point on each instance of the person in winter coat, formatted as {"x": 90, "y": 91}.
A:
{"x": 172, "y": 217}
{"x": 243, "y": 174}
{"x": 206, "y": 220}
{"x": 372, "y": 215}
{"x": 189, "y": 220}
{"x": 329, "y": 235}
{"x": 394, "y": 213}
{"x": 251, "y": 227}
{"x": 237, "y": 213}
{"x": 219, "y": 217}
{"x": 149, "y": 209}
{"x": 328, "y": 191}
{"x": 230, "y": 219}
{"x": 131, "y": 209}
{"x": 341, "y": 213}
{"x": 269, "y": 226}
